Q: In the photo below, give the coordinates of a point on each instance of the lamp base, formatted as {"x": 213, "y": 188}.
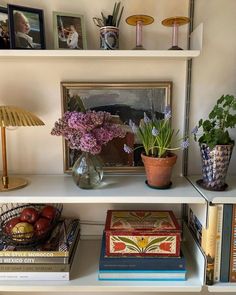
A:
{"x": 13, "y": 183}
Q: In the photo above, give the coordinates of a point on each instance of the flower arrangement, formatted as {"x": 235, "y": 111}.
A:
{"x": 156, "y": 136}
{"x": 87, "y": 131}
{"x": 221, "y": 118}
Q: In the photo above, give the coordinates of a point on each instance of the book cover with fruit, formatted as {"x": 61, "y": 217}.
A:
{"x": 142, "y": 233}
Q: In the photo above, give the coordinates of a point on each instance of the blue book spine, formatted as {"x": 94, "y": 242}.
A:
{"x": 226, "y": 243}
{"x": 140, "y": 263}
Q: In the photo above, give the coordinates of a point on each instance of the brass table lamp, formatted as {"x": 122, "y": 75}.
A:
{"x": 13, "y": 116}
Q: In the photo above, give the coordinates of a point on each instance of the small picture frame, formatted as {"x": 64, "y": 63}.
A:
{"x": 4, "y": 29}
{"x": 26, "y": 27}
{"x": 69, "y": 31}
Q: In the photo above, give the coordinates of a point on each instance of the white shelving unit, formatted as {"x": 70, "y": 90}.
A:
{"x": 104, "y": 54}
{"x": 226, "y": 197}
{"x": 115, "y": 189}
{"x": 119, "y": 189}
{"x": 84, "y": 277}
{"x": 223, "y": 287}
{"x": 218, "y": 197}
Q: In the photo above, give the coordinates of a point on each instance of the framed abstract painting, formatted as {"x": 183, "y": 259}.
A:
{"x": 124, "y": 101}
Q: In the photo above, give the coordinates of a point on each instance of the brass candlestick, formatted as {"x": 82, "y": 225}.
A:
{"x": 139, "y": 21}
{"x": 13, "y": 116}
{"x": 175, "y": 23}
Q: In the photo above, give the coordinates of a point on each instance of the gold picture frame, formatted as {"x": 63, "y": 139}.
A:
{"x": 128, "y": 100}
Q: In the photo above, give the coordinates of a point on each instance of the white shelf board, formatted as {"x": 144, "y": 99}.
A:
{"x": 114, "y": 189}
{"x": 84, "y": 278}
{"x": 226, "y": 197}
{"x": 105, "y": 54}
{"x": 223, "y": 287}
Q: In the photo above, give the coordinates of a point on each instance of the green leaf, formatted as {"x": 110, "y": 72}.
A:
{"x": 115, "y": 238}
{"x": 151, "y": 249}
{"x": 129, "y": 241}
{"x": 200, "y": 123}
{"x": 132, "y": 248}
{"x": 155, "y": 241}
{"x": 207, "y": 125}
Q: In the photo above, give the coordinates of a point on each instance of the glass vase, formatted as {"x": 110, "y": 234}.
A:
{"x": 87, "y": 171}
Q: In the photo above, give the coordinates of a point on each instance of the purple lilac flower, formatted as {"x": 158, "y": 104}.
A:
{"x": 87, "y": 141}
{"x": 127, "y": 149}
{"x": 102, "y": 135}
{"x": 185, "y": 144}
{"x": 96, "y": 150}
{"x": 87, "y": 131}
{"x": 81, "y": 122}
{"x": 155, "y": 132}
{"x": 98, "y": 118}
{"x": 146, "y": 119}
{"x": 194, "y": 130}
{"x": 117, "y": 130}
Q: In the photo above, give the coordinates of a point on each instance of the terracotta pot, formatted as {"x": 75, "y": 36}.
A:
{"x": 215, "y": 163}
{"x": 158, "y": 170}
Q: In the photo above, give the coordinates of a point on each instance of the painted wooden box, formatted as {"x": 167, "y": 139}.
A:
{"x": 142, "y": 233}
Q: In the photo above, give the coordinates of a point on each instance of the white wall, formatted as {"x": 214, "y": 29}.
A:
{"x": 34, "y": 83}
{"x": 214, "y": 72}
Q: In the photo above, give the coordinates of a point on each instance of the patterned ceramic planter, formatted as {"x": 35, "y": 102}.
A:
{"x": 215, "y": 163}
{"x": 109, "y": 38}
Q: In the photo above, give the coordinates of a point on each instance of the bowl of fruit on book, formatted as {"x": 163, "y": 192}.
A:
{"x": 28, "y": 224}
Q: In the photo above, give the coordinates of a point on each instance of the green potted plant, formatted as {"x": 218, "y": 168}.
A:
{"x": 215, "y": 142}
{"x": 156, "y": 137}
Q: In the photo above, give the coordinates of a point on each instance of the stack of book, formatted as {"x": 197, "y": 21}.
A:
{"x": 141, "y": 245}
{"x": 51, "y": 260}
{"x": 218, "y": 241}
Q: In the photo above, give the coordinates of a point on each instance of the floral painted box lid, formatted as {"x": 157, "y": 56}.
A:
{"x": 142, "y": 233}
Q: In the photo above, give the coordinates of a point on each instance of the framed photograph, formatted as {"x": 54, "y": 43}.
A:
{"x": 124, "y": 101}
{"x": 4, "y": 29}
{"x": 69, "y": 31}
{"x": 26, "y": 27}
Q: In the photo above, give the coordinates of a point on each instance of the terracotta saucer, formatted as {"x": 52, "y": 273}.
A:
{"x": 159, "y": 187}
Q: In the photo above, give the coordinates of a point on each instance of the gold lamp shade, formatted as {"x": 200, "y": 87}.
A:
{"x": 13, "y": 116}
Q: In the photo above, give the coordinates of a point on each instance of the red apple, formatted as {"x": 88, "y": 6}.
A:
{"x": 48, "y": 212}
{"x": 41, "y": 225}
{"x": 10, "y": 224}
{"x": 29, "y": 215}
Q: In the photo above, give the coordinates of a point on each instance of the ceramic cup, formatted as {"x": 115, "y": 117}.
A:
{"x": 109, "y": 38}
